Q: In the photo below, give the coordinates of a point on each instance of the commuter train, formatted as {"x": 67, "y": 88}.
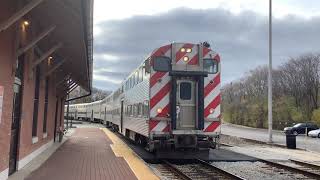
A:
{"x": 172, "y": 100}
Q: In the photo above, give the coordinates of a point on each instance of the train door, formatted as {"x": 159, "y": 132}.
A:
{"x": 186, "y": 104}
{"x": 121, "y": 116}
{"x": 16, "y": 116}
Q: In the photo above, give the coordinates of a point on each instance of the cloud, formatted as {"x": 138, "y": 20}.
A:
{"x": 241, "y": 39}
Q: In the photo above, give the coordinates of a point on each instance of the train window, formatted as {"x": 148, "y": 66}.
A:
{"x": 146, "y": 66}
{"x": 134, "y": 110}
{"x": 137, "y": 77}
{"x": 129, "y": 110}
{"x": 185, "y": 91}
{"x": 162, "y": 64}
{"x": 141, "y": 74}
{"x": 210, "y": 66}
{"x": 146, "y": 108}
{"x": 132, "y": 81}
{"x": 140, "y": 109}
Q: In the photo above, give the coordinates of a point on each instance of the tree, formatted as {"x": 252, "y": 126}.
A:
{"x": 296, "y": 86}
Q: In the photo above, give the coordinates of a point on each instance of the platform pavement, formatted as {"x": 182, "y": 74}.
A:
{"x": 93, "y": 153}
{"x": 303, "y": 142}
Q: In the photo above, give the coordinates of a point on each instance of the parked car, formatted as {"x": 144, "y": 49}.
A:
{"x": 314, "y": 133}
{"x": 300, "y": 128}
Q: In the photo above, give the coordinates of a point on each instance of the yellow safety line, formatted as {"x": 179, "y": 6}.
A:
{"x": 120, "y": 149}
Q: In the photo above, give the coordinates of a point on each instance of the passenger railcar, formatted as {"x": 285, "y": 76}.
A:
{"x": 172, "y": 100}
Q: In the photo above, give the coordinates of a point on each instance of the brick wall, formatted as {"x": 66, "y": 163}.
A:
{"x": 6, "y": 80}
{"x": 7, "y": 60}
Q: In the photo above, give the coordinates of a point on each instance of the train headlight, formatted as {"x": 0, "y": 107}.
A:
{"x": 183, "y": 50}
{"x": 189, "y": 50}
{"x": 186, "y": 58}
{"x": 211, "y": 110}
{"x": 159, "y": 110}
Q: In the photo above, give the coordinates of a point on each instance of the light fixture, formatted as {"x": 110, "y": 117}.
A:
{"x": 159, "y": 110}
{"x": 186, "y": 58}
{"x": 189, "y": 50}
{"x": 50, "y": 58}
{"x": 211, "y": 110}
{"x": 26, "y": 23}
{"x": 183, "y": 50}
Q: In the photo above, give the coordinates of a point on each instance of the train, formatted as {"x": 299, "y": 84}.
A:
{"x": 170, "y": 101}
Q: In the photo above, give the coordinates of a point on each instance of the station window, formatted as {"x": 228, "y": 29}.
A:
{"x": 36, "y": 102}
{"x": 46, "y": 105}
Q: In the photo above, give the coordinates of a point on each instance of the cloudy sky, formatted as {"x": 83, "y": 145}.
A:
{"x": 126, "y": 31}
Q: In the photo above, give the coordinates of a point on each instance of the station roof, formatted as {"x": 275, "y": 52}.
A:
{"x": 73, "y": 21}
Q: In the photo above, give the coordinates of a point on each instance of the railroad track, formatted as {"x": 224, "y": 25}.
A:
{"x": 293, "y": 166}
{"x": 307, "y": 166}
{"x": 199, "y": 169}
{"x": 290, "y": 167}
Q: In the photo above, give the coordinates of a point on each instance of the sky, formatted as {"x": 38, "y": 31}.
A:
{"x": 126, "y": 31}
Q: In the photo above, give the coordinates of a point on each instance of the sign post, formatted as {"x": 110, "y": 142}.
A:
{"x": 1, "y": 101}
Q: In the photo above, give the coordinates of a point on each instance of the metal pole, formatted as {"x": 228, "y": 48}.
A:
{"x": 68, "y": 103}
{"x": 270, "y": 75}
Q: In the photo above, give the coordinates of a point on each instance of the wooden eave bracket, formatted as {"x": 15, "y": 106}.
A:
{"x": 54, "y": 68}
{"x": 46, "y": 54}
{"x": 16, "y": 16}
{"x": 35, "y": 41}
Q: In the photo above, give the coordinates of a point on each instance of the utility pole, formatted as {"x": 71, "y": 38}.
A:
{"x": 270, "y": 75}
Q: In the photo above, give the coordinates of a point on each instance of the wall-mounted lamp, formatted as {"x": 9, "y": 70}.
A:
{"x": 50, "y": 59}
{"x": 26, "y": 23}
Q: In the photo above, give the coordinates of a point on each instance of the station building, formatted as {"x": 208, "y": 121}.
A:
{"x": 45, "y": 52}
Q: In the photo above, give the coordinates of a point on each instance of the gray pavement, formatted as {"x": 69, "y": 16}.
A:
{"x": 303, "y": 142}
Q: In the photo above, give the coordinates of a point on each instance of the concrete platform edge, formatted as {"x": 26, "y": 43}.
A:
{"x": 4, "y": 174}
{"x": 24, "y": 161}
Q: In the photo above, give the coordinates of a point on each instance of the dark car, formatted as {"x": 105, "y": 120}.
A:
{"x": 300, "y": 128}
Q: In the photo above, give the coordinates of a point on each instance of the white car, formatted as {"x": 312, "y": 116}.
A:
{"x": 314, "y": 133}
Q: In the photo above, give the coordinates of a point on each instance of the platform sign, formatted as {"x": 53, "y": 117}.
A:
{"x": 1, "y": 101}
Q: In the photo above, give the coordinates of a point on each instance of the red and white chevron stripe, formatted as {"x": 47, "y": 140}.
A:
{"x": 193, "y": 55}
{"x": 159, "y": 126}
{"x": 212, "y": 95}
{"x": 160, "y": 87}
{"x": 211, "y": 126}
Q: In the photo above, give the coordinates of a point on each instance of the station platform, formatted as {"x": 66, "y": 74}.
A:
{"x": 93, "y": 153}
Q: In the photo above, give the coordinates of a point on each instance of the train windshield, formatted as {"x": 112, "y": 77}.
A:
{"x": 161, "y": 64}
{"x": 210, "y": 66}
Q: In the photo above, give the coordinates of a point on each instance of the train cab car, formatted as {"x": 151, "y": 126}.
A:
{"x": 184, "y": 96}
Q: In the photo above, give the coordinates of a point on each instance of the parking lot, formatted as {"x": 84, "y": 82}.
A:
{"x": 303, "y": 142}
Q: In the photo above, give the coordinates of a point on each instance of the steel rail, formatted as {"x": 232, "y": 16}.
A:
{"x": 176, "y": 170}
{"x": 221, "y": 171}
{"x": 306, "y": 164}
{"x": 290, "y": 168}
